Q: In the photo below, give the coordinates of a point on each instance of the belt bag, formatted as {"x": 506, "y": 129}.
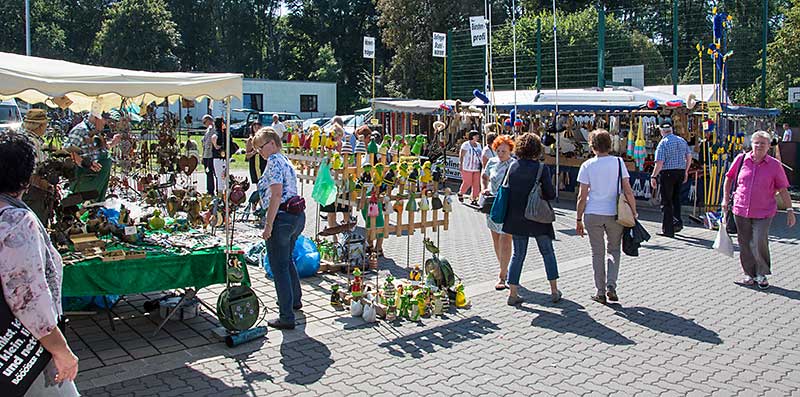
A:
{"x": 294, "y": 205}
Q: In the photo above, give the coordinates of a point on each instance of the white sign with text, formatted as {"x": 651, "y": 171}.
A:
{"x": 369, "y": 47}
{"x": 477, "y": 27}
{"x": 439, "y": 45}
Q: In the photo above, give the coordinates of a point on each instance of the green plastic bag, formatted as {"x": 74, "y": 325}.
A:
{"x": 324, "y": 188}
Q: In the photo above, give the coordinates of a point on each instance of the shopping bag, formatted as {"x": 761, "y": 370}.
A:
{"x": 324, "y": 187}
{"x": 723, "y": 243}
{"x": 500, "y": 203}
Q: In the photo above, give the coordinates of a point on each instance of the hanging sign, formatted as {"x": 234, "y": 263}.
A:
{"x": 369, "y": 47}
{"x": 477, "y": 27}
{"x": 714, "y": 108}
{"x": 439, "y": 45}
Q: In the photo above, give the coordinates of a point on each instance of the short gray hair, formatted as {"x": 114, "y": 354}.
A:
{"x": 761, "y": 134}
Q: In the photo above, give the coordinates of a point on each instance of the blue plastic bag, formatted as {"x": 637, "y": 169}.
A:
{"x": 305, "y": 257}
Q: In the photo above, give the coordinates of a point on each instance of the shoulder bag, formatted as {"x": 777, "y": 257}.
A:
{"x": 539, "y": 209}
{"x": 500, "y": 203}
{"x": 624, "y": 212}
{"x": 730, "y": 223}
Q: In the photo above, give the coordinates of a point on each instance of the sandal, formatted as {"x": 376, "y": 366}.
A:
{"x": 501, "y": 285}
{"x": 746, "y": 281}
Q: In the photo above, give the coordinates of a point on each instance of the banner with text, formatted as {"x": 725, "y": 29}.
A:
{"x": 477, "y": 27}
{"x": 369, "y": 47}
{"x": 439, "y": 45}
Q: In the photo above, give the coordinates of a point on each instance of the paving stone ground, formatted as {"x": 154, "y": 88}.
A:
{"x": 681, "y": 328}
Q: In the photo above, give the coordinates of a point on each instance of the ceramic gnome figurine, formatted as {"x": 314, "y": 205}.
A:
{"x": 438, "y": 308}
{"x": 388, "y": 290}
{"x": 461, "y": 296}
{"x": 336, "y": 299}
{"x": 447, "y": 203}
{"x": 415, "y": 276}
{"x": 357, "y": 287}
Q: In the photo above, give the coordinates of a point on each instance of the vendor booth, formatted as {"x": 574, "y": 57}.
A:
{"x": 715, "y": 131}
{"x": 120, "y": 243}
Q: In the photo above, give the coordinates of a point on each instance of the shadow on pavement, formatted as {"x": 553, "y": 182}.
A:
{"x": 573, "y": 319}
{"x": 304, "y": 358}
{"x": 443, "y": 336}
{"x": 667, "y": 323}
{"x": 696, "y": 242}
{"x": 787, "y": 293}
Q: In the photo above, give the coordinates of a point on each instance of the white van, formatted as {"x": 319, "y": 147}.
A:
{"x": 10, "y": 117}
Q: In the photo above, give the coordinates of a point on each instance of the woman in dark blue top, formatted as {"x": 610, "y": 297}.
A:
{"x": 521, "y": 177}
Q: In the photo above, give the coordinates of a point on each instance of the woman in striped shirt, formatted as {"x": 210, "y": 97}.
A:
{"x": 470, "y": 160}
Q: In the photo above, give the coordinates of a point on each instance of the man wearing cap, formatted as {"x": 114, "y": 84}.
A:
{"x": 34, "y": 126}
{"x": 85, "y": 144}
{"x": 208, "y": 153}
{"x": 673, "y": 159}
{"x": 279, "y": 127}
{"x": 40, "y": 195}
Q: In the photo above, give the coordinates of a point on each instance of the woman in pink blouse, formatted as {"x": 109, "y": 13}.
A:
{"x": 30, "y": 274}
{"x": 758, "y": 176}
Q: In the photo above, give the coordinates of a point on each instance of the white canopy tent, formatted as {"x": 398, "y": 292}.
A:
{"x": 39, "y": 80}
{"x": 97, "y": 88}
{"x": 419, "y": 106}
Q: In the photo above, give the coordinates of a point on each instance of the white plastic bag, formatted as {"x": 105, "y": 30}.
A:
{"x": 356, "y": 308}
{"x": 723, "y": 243}
{"x": 369, "y": 314}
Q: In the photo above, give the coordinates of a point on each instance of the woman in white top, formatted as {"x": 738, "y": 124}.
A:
{"x": 470, "y": 161}
{"x": 494, "y": 172}
{"x": 602, "y": 178}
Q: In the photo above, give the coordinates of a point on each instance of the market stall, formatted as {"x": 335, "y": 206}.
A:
{"x": 114, "y": 246}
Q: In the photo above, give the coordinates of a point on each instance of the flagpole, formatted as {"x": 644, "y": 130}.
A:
{"x": 514, "y": 34}
{"x": 555, "y": 121}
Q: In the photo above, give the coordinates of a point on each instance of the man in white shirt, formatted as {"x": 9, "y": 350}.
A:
{"x": 279, "y": 127}
{"x": 787, "y": 133}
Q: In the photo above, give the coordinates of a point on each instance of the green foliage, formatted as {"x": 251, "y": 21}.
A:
{"x": 577, "y": 42}
{"x": 783, "y": 68}
{"x": 138, "y": 34}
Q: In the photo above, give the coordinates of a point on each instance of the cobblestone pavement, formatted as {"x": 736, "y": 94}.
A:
{"x": 682, "y": 327}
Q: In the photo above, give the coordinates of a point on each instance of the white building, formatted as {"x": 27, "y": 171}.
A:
{"x": 307, "y": 99}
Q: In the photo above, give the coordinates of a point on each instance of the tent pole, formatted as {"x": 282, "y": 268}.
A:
{"x": 555, "y": 121}
{"x": 228, "y": 224}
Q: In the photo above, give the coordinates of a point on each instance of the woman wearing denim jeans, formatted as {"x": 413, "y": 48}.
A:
{"x": 521, "y": 177}
{"x": 277, "y": 185}
{"x": 602, "y": 179}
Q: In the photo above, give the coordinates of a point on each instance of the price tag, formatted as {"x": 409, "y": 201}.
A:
{"x": 374, "y": 121}
{"x": 130, "y": 230}
{"x": 414, "y": 122}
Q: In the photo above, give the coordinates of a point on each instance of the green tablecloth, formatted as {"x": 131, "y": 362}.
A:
{"x": 157, "y": 272}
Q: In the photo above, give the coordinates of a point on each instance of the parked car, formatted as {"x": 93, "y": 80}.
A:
{"x": 10, "y": 116}
{"x": 320, "y": 121}
{"x": 242, "y": 128}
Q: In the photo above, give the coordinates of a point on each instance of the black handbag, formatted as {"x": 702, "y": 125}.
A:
{"x": 486, "y": 201}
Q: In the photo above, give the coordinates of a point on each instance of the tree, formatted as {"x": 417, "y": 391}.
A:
{"x": 783, "y": 68}
{"x": 407, "y": 28}
{"x": 138, "y": 34}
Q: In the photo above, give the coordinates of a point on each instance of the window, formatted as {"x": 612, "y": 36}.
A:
{"x": 254, "y": 101}
{"x": 308, "y": 103}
